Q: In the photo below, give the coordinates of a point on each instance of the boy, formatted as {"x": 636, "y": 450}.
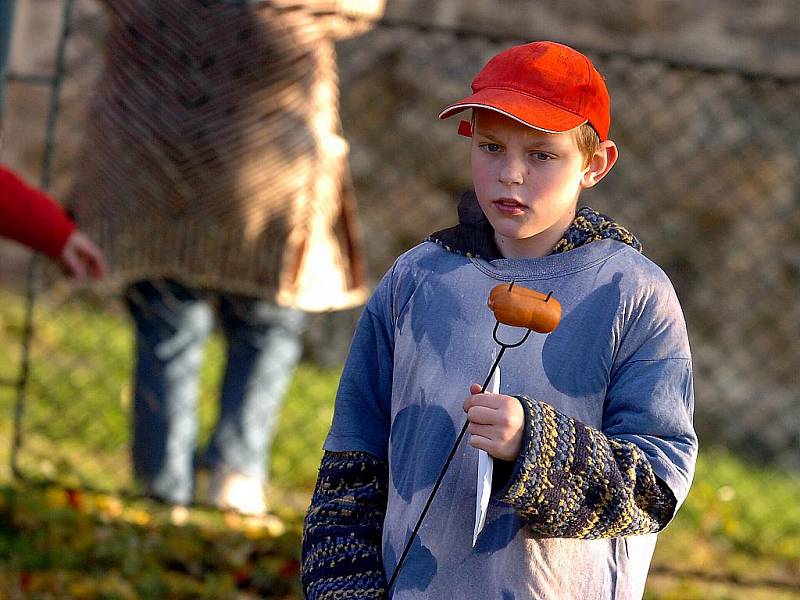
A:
{"x": 32, "y": 218}
{"x": 592, "y": 432}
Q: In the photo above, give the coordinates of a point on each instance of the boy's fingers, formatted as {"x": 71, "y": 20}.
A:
{"x": 482, "y": 415}
{"x": 480, "y": 442}
{"x": 491, "y": 447}
{"x": 486, "y": 431}
{"x": 474, "y": 388}
{"x": 488, "y": 400}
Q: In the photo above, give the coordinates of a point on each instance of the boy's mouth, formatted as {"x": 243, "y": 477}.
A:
{"x": 509, "y": 205}
{"x": 509, "y": 202}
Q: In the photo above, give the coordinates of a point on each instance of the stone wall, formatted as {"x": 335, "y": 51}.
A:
{"x": 761, "y": 35}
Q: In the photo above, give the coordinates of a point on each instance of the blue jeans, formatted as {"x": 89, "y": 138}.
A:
{"x": 173, "y": 324}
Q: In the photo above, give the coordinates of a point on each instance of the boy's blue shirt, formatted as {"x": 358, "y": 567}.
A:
{"x": 619, "y": 362}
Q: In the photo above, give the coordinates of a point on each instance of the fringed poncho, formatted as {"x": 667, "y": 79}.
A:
{"x": 213, "y": 153}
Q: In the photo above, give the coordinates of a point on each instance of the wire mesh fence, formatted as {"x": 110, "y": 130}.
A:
{"x": 706, "y": 179}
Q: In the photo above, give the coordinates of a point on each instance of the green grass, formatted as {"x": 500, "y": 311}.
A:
{"x": 76, "y": 418}
{"x": 739, "y": 528}
{"x": 736, "y": 537}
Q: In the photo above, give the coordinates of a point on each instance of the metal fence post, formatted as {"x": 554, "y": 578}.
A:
{"x": 6, "y": 23}
{"x": 35, "y": 266}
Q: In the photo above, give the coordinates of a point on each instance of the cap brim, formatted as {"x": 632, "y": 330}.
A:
{"x": 528, "y": 110}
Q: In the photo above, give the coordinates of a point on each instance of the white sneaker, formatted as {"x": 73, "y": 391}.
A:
{"x": 234, "y": 491}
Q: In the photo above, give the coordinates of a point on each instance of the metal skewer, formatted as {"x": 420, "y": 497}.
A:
{"x": 503, "y": 348}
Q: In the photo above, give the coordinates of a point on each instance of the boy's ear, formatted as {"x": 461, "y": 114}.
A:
{"x": 600, "y": 164}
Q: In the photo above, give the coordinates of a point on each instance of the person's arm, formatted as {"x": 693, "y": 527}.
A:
{"x": 343, "y": 527}
{"x": 30, "y": 217}
{"x": 629, "y": 476}
{"x": 574, "y": 481}
{"x": 566, "y": 479}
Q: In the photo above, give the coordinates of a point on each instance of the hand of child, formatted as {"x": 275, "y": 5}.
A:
{"x": 496, "y": 423}
{"x": 82, "y": 258}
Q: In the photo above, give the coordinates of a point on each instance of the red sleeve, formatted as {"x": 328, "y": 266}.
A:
{"x": 30, "y": 217}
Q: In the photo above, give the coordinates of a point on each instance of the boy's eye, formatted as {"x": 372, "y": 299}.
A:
{"x": 541, "y": 156}
{"x": 492, "y": 148}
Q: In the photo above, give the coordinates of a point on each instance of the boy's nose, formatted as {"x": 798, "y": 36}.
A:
{"x": 512, "y": 171}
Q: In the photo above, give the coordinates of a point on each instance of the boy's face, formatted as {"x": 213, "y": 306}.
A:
{"x": 527, "y": 182}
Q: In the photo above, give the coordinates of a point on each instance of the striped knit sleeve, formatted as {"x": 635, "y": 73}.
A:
{"x": 343, "y": 527}
{"x": 573, "y": 481}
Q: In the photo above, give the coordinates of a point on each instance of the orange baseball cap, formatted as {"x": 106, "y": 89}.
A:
{"x": 545, "y": 85}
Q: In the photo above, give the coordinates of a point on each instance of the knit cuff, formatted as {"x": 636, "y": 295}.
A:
{"x": 343, "y": 527}
{"x": 573, "y": 481}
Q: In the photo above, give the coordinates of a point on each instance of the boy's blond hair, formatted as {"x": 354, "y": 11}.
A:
{"x": 588, "y": 141}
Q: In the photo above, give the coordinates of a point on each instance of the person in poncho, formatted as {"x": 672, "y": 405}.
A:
{"x": 215, "y": 175}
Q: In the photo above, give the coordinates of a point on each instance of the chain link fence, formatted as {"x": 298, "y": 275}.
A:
{"x": 706, "y": 179}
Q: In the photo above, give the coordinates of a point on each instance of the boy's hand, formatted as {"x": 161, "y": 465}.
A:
{"x": 496, "y": 423}
{"x": 82, "y": 258}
